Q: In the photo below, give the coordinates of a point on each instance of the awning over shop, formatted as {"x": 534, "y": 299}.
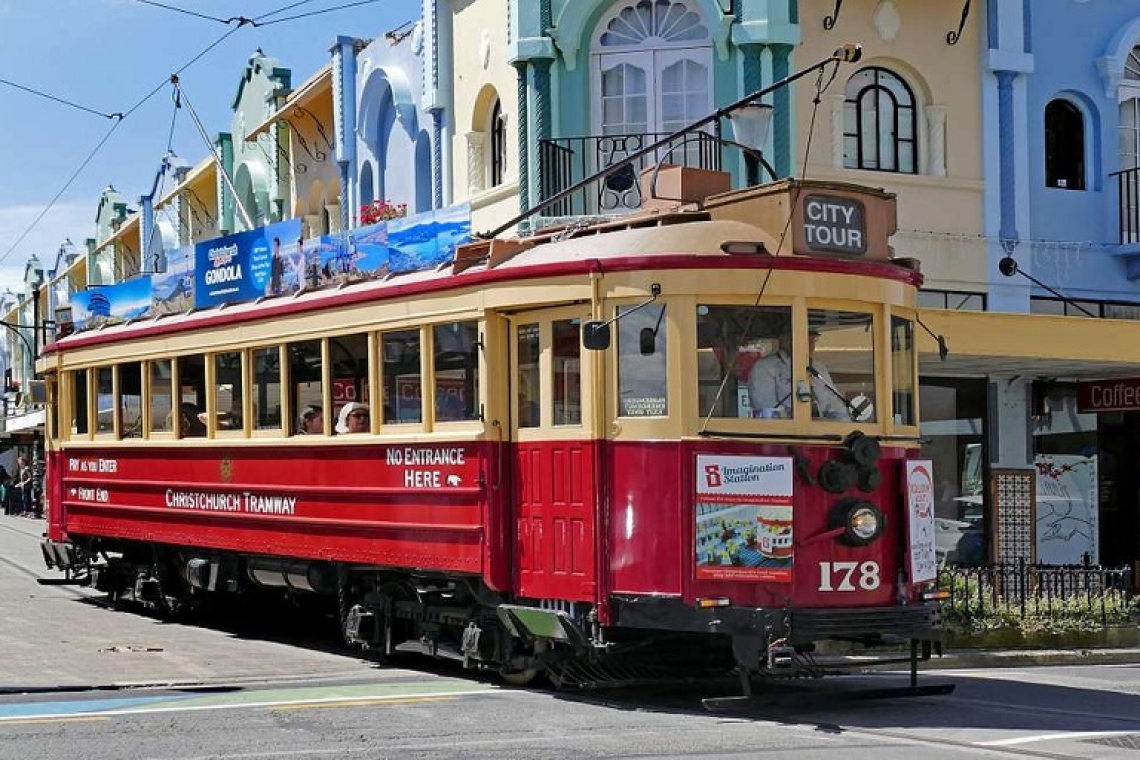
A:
{"x": 1038, "y": 345}
{"x": 317, "y": 84}
{"x": 28, "y": 421}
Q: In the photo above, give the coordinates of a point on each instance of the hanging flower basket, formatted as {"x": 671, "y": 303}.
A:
{"x": 382, "y": 211}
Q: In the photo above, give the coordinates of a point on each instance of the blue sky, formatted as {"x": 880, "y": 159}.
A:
{"x": 107, "y": 55}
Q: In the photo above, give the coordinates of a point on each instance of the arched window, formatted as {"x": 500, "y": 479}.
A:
{"x": 879, "y": 129}
{"x": 1064, "y": 146}
{"x": 1129, "y": 94}
{"x": 498, "y": 156}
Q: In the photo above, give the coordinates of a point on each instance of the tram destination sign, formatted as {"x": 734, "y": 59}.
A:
{"x": 834, "y": 225}
{"x": 1119, "y": 395}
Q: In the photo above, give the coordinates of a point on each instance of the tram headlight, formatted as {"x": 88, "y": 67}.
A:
{"x": 862, "y": 522}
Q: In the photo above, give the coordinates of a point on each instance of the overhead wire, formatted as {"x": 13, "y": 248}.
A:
{"x": 196, "y": 14}
{"x": 62, "y": 190}
{"x": 63, "y": 101}
{"x": 242, "y": 21}
{"x": 83, "y": 165}
{"x": 315, "y": 13}
{"x": 288, "y": 7}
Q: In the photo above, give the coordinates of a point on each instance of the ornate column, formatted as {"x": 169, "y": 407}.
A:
{"x": 541, "y": 68}
{"x": 522, "y": 67}
{"x": 782, "y": 117}
{"x": 936, "y": 140}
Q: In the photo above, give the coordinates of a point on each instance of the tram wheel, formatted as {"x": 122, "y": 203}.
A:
{"x": 519, "y": 677}
{"x": 526, "y": 676}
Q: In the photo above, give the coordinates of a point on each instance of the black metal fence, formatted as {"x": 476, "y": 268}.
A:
{"x": 1128, "y": 191}
{"x": 1025, "y": 590}
{"x": 566, "y": 160}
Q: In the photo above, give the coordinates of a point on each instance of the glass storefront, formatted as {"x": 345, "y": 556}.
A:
{"x": 953, "y": 437}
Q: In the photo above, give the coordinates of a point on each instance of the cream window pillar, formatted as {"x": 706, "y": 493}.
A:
{"x": 476, "y": 162}
{"x": 836, "y": 101}
{"x": 312, "y": 225}
{"x": 936, "y": 140}
{"x": 333, "y": 211}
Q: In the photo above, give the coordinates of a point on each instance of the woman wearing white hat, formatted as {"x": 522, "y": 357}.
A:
{"x": 353, "y": 418}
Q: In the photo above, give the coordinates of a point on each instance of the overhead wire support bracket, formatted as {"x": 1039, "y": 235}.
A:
{"x": 246, "y": 218}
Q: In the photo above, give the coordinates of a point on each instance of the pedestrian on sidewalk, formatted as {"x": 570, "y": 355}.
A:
{"x": 6, "y": 489}
{"x": 22, "y": 488}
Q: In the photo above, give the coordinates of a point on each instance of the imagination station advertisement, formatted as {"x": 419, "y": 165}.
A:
{"x": 744, "y": 518}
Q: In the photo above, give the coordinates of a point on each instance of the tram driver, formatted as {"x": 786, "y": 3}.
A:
{"x": 770, "y": 384}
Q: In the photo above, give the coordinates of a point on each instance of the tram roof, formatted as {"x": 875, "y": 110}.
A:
{"x": 671, "y": 241}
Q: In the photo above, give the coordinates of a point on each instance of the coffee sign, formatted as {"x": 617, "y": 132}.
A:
{"x": 834, "y": 225}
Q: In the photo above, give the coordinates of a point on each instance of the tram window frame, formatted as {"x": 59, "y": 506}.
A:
{"x": 191, "y": 390}
{"x": 159, "y": 420}
{"x": 528, "y": 375}
{"x": 404, "y": 348}
{"x": 631, "y": 365}
{"x": 227, "y": 420}
{"x": 567, "y": 393}
{"x": 305, "y": 393}
{"x": 757, "y": 337}
{"x": 355, "y": 348}
{"x": 904, "y": 372}
{"x": 126, "y": 375}
{"x": 829, "y": 321}
{"x": 79, "y": 393}
{"x": 104, "y": 381}
{"x": 263, "y": 421}
{"x": 458, "y": 340}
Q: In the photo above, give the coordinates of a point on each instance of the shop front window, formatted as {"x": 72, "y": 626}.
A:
{"x": 953, "y": 432}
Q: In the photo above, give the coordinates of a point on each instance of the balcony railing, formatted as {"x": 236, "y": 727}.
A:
{"x": 1128, "y": 190}
{"x": 566, "y": 160}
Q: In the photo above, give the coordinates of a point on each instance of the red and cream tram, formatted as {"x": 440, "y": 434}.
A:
{"x": 576, "y": 450}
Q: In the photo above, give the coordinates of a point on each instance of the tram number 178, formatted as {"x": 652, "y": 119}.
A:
{"x": 849, "y": 576}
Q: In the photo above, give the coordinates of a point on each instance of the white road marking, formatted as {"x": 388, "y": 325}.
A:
{"x": 1053, "y": 737}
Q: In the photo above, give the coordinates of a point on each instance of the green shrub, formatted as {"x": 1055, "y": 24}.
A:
{"x": 975, "y": 607}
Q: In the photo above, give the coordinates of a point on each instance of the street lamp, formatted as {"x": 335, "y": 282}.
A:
{"x": 848, "y": 53}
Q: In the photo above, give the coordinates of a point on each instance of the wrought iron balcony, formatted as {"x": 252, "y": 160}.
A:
{"x": 566, "y": 160}
{"x": 1128, "y": 191}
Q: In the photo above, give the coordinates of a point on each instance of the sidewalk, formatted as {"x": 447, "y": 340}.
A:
{"x": 59, "y": 638}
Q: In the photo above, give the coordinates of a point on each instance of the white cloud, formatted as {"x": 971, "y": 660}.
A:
{"x": 74, "y": 219}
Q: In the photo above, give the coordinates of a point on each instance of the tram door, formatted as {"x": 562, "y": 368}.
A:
{"x": 553, "y": 456}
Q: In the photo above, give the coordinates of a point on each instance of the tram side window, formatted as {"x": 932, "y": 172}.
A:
{"x": 842, "y": 356}
{"x": 456, "y": 362}
{"x": 228, "y": 387}
{"x": 192, "y": 396}
{"x": 267, "y": 388}
{"x": 79, "y": 405}
{"x": 642, "y": 366}
{"x": 902, "y": 371}
{"x": 744, "y": 351}
{"x": 529, "y": 390}
{"x": 161, "y": 396}
{"x": 306, "y": 378}
{"x": 348, "y": 355}
{"x": 400, "y": 376}
{"x": 104, "y": 399}
{"x": 130, "y": 400}
{"x": 567, "y": 372}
